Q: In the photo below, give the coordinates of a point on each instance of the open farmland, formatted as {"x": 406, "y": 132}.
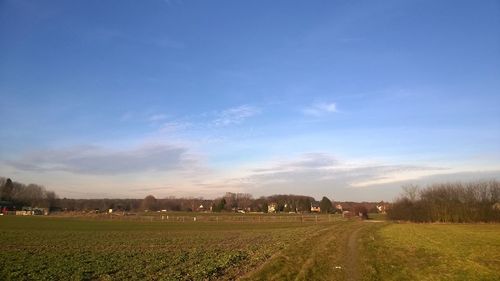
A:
{"x": 266, "y": 248}
{"x": 44, "y": 248}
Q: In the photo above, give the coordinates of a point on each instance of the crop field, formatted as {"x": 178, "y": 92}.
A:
{"x": 51, "y": 248}
{"x": 432, "y": 252}
{"x": 44, "y": 248}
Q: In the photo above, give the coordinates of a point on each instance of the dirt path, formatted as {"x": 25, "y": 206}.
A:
{"x": 352, "y": 265}
{"x": 331, "y": 253}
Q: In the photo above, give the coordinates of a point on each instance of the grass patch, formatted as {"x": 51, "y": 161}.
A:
{"x": 432, "y": 252}
{"x": 319, "y": 256}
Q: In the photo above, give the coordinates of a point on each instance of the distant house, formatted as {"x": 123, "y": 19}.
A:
{"x": 29, "y": 211}
{"x": 382, "y": 207}
{"x": 23, "y": 213}
{"x": 315, "y": 208}
{"x": 338, "y": 207}
{"x": 347, "y": 214}
{"x": 272, "y": 207}
{"x": 496, "y": 206}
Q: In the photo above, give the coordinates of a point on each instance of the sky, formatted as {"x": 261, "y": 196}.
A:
{"x": 345, "y": 99}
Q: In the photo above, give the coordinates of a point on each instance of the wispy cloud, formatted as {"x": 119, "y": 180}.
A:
{"x": 305, "y": 161}
{"x": 235, "y": 115}
{"x": 126, "y": 116}
{"x": 349, "y": 176}
{"x": 318, "y": 109}
{"x": 150, "y": 189}
{"x": 174, "y": 126}
{"x": 157, "y": 117}
{"x": 102, "y": 161}
{"x": 321, "y": 173}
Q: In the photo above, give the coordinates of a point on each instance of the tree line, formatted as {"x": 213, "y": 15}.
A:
{"x": 229, "y": 202}
{"x": 26, "y": 195}
{"x": 32, "y": 195}
{"x": 18, "y": 195}
{"x": 458, "y": 202}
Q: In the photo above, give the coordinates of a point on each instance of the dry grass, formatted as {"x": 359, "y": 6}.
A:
{"x": 433, "y": 252}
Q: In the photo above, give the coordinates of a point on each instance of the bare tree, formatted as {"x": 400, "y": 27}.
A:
{"x": 449, "y": 202}
{"x": 411, "y": 191}
{"x": 149, "y": 203}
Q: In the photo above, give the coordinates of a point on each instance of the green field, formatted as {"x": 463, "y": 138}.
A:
{"x": 41, "y": 248}
{"x": 48, "y": 248}
{"x": 432, "y": 252}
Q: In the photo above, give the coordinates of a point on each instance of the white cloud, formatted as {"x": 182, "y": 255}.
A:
{"x": 318, "y": 109}
{"x": 235, "y": 115}
{"x": 157, "y": 117}
{"x": 322, "y": 166}
{"x": 319, "y": 174}
{"x": 104, "y": 161}
{"x": 305, "y": 161}
{"x": 173, "y": 126}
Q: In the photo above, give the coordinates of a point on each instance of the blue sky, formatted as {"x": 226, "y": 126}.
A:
{"x": 348, "y": 99}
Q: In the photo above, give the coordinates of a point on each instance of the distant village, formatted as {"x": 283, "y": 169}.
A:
{"x": 20, "y": 199}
